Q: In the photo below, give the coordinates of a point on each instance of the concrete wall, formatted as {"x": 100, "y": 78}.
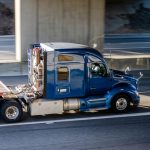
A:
{"x": 78, "y": 21}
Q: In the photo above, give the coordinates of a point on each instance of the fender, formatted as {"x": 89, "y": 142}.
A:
{"x": 20, "y": 101}
{"x": 122, "y": 88}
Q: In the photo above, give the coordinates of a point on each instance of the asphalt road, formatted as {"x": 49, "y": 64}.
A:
{"x": 131, "y": 133}
{"x": 127, "y": 46}
{"x": 7, "y": 43}
{"x": 118, "y": 46}
{"x": 127, "y": 38}
{"x": 134, "y": 42}
{"x": 7, "y": 47}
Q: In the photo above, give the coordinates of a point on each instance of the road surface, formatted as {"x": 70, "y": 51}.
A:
{"x": 7, "y": 47}
{"x": 125, "y": 46}
{"x": 131, "y": 133}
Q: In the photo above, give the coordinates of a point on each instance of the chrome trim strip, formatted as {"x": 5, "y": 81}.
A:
{"x": 99, "y": 99}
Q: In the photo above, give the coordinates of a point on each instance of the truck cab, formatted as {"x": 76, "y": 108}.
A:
{"x": 67, "y": 77}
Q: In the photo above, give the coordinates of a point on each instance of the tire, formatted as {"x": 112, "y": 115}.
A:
{"x": 120, "y": 103}
{"x": 11, "y": 111}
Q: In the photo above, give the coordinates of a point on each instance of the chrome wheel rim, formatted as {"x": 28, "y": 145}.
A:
{"x": 12, "y": 112}
{"x": 121, "y": 104}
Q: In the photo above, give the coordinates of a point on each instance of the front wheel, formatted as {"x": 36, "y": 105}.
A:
{"x": 11, "y": 111}
{"x": 120, "y": 103}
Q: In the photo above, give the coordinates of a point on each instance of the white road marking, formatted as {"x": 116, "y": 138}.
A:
{"x": 127, "y": 43}
{"x": 9, "y": 52}
{"x": 7, "y": 36}
{"x": 126, "y": 48}
{"x": 77, "y": 119}
{"x": 144, "y": 92}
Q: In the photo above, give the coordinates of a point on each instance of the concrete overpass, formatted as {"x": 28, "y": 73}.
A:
{"x": 57, "y": 20}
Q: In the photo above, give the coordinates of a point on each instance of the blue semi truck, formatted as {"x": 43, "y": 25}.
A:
{"x": 66, "y": 77}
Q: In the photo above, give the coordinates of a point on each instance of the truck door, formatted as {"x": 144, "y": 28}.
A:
{"x": 99, "y": 80}
{"x": 69, "y": 76}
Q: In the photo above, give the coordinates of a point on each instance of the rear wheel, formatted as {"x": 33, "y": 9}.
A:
{"x": 11, "y": 111}
{"x": 120, "y": 103}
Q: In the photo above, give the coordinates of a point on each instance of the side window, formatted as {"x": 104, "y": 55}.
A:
{"x": 62, "y": 58}
{"x": 65, "y": 58}
{"x": 62, "y": 74}
{"x": 98, "y": 69}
